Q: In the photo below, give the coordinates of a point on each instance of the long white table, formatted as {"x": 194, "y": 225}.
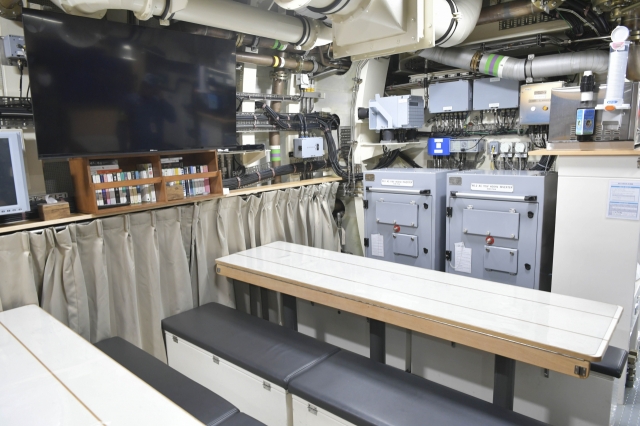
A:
{"x": 552, "y": 331}
{"x": 49, "y": 375}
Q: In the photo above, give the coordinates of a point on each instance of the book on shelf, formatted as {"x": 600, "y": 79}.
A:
{"x": 107, "y": 171}
{"x": 190, "y": 187}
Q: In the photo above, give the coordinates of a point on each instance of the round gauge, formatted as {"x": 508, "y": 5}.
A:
{"x": 505, "y": 147}
{"x": 520, "y": 148}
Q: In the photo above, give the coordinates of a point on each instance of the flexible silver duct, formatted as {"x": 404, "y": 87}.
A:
{"x": 520, "y": 69}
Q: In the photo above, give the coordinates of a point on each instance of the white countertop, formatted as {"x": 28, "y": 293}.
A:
{"x": 56, "y": 377}
{"x": 490, "y": 313}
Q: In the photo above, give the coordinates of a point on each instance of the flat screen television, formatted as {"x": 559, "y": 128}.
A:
{"x": 101, "y": 87}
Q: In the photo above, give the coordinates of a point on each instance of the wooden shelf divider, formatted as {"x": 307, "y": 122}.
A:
{"x": 85, "y": 188}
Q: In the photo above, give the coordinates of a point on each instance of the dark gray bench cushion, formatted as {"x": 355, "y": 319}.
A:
{"x": 241, "y": 419}
{"x": 365, "y": 392}
{"x": 270, "y": 351}
{"x": 612, "y": 363}
{"x": 194, "y": 398}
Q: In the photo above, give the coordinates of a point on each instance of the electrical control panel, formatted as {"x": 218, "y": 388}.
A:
{"x": 405, "y": 216}
{"x": 500, "y": 226}
{"x": 467, "y": 145}
{"x": 308, "y": 147}
{"x": 495, "y": 93}
{"x": 614, "y": 126}
{"x": 535, "y": 102}
{"x": 396, "y": 112}
{"x": 13, "y": 48}
{"x": 439, "y": 146}
{"x": 452, "y": 96}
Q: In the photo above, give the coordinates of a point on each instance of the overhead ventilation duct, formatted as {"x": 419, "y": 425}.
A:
{"x": 520, "y": 69}
{"x": 371, "y": 28}
{"x": 224, "y": 14}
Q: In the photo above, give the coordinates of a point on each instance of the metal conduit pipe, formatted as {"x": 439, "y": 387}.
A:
{"x": 279, "y": 81}
{"x": 500, "y": 12}
{"x": 520, "y": 69}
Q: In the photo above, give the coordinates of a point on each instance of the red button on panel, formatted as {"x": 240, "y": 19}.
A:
{"x": 490, "y": 240}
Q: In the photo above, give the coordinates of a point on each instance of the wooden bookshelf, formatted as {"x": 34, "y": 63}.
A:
{"x": 85, "y": 187}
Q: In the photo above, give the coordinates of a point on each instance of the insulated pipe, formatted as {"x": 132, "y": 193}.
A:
{"x": 224, "y": 14}
{"x": 520, "y": 69}
{"x": 277, "y": 62}
{"x": 143, "y": 9}
{"x": 241, "y": 39}
{"x": 229, "y": 15}
{"x": 324, "y": 7}
{"x": 455, "y": 20}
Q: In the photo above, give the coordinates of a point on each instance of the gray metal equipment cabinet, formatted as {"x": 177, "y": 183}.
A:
{"x": 405, "y": 216}
{"x": 507, "y": 220}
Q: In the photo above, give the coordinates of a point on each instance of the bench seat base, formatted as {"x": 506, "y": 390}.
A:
{"x": 307, "y": 414}
{"x": 265, "y": 401}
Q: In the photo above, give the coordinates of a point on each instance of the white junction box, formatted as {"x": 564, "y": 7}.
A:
{"x": 254, "y": 396}
{"x": 308, "y": 147}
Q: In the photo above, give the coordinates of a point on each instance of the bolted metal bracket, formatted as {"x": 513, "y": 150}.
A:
{"x": 580, "y": 371}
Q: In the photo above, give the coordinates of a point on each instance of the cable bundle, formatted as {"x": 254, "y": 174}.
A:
{"x": 253, "y": 178}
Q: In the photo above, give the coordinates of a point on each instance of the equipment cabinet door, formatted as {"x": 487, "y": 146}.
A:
{"x": 399, "y": 228}
{"x": 502, "y": 236}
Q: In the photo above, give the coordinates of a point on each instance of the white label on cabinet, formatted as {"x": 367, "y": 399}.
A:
{"x": 462, "y": 258}
{"x": 377, "y": 245}
{"x": 491, "y": 187}
{"x": 396, "y": 182}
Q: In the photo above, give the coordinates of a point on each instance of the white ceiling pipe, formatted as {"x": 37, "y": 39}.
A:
{"x": 143, "y": 9}
{"x": 454, "y": 20}
{"x": 229, "y": 15}
{"x": 325, "y": 7}
{"x": 224, "y": 14}
{"x": 520, "y": 69}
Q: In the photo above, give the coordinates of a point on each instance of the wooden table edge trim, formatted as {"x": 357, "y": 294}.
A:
{"x": 493, "y": 344}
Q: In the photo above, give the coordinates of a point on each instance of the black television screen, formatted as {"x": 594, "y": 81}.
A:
{"x": 101, "y": 87}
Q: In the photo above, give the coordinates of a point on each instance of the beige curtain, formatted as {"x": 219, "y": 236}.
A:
{"x": 120, "y": 276}
{"x": 64, "y": 292}
{"x": 18, "y": 285}
{"x": 93, "y": 258}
